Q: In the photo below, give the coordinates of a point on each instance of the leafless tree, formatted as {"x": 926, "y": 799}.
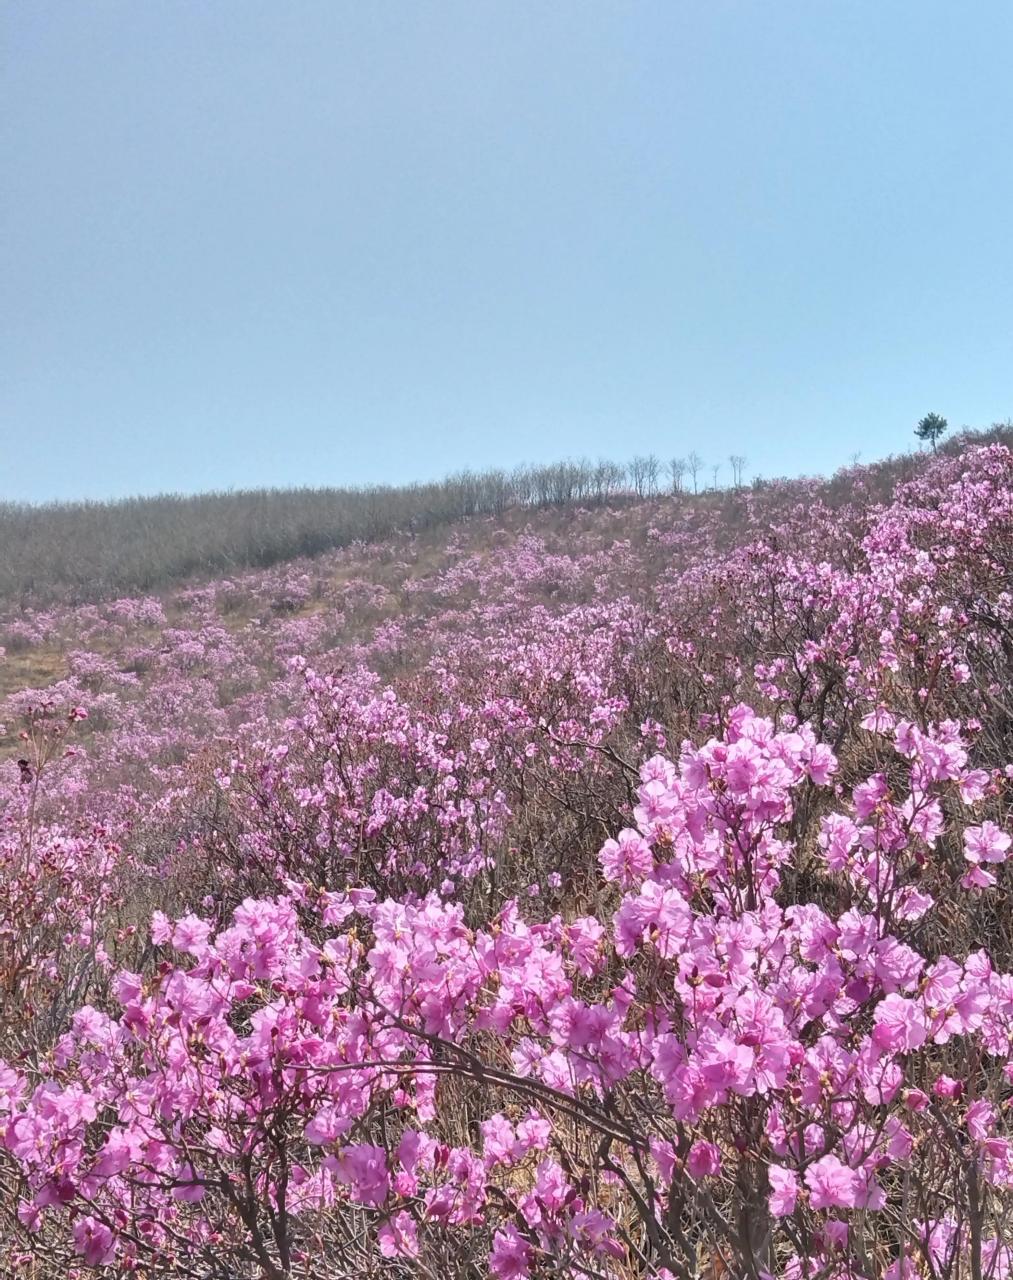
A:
{"x": 617, "y": 479}
{"x": 677, "y": 471}
{"x": 639, "y": 470}
{"x": 694, "y": 464}
{"x": 737, "y": 462}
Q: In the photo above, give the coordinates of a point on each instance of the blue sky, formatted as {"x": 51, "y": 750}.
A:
{"x": 247, "y": 242}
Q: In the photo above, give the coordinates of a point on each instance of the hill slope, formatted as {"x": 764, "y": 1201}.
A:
{"x": 615, "y": 891}
{"x": 76, "y": 552}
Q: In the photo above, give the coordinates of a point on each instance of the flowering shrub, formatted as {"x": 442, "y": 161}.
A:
{"x": 442, "y": 982}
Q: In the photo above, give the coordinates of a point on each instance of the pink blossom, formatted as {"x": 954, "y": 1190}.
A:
{"x": 398, "y": 1238}
{"x": 510, "y": 1256}
{"x": 832, "y": 1185}
{"x": 899, "y": 1025}
{"x": 703, "y": 1160}
{"x": 986, "y": 843}
{"x": 93, "y": 1240}
{"x": 783, "y": 1190}
{"x": 627, "y": 859}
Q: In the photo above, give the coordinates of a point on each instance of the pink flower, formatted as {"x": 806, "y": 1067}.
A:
{"x": 498, "y": 1139}
{"x": 664, "y": 1157}
{"x": 986, "y": 844}
{"x": 822, "y": 764}
{"x": 510, "y": 1256}
{"x": 947, "y": 1087}
{"x": 703, "y": 1161}
{"x": 838, "y": 836}
{"x": 783, "y": 1190}
{"x": 627, "y": 860}
{"x": 867, "y": 795}
{"x": 161, "y": 929}
{"x": 899, "y": 1025}
{"x": 399, "y": 1237}
{"x": 980, "y": 1120}
{"x": 29, "y": 1215}
{"x": 977, "y": 878}
{"x": 363, "y": 1169}
{"x": 658, "y": 914}
{"x": 552, "y": 1187}
{"x": 189, "y": 1187}
{"x": 191, "y": 935}
{"x": 327, "y": 1126}
{"x": 878, "y": 721}
{"x": 972, "y": 785}
{"x": 533, "y": 1134}
{"x": 93, "y": 1241}
{"x": 832, "y": 1185}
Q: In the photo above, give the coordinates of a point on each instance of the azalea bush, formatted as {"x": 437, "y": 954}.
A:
{"x": 663, "y": 932}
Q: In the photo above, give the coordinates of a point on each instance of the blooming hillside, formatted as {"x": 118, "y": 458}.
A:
{"x": 612, "y": 892}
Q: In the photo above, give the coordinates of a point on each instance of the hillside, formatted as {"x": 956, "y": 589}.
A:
{"x": 88, "y": 551}
{"x": 607, "y": 886}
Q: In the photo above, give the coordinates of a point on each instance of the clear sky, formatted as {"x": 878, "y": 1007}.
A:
{"x": 252, "y": 242}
